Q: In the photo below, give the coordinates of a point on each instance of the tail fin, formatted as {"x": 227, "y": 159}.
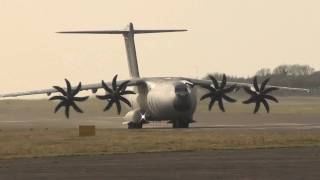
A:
{"x": 128, "y": 35}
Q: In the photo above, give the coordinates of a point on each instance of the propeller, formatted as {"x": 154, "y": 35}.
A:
{"x": 218, "y": 92}
{"x": 68, "y": 98}
{"x": 115, "y": 94}
{"x": 260, "y": 94}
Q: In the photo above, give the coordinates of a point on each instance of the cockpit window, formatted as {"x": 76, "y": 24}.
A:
{"x": 181, "y": 88}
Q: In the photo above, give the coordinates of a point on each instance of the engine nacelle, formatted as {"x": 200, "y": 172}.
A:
{"x": 133, "y": 116}
{"x": 134, "y": 119}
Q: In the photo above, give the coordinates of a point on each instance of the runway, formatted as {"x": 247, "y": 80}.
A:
{"x": 203, "y": 120}
{"x": 293, "y": 163}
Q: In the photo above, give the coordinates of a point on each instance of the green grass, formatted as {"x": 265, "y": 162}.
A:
{"x": 38, "y": 143}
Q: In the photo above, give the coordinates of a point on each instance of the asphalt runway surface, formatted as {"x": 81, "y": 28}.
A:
{"x": 293, "y": 163}
{"x": 203, "y": 120}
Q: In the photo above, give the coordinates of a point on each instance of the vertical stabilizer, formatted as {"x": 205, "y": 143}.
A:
{"x": 131, "y": 52}
{"x": 128, "y": 35}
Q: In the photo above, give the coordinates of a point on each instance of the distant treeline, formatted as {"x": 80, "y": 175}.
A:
{"x": 300, "y": 76}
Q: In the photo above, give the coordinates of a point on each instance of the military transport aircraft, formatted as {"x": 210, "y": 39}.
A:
{"x": 156, "y": 98}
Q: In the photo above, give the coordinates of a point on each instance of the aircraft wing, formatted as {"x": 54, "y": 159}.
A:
{"x": 239, "y": 84}
{"x": 92, "y": 87}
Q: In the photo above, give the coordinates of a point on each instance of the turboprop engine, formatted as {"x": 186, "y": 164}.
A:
{"x": 135, "y": 119}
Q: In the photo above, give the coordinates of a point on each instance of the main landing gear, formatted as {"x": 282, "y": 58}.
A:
{"x": 133, "y": 125}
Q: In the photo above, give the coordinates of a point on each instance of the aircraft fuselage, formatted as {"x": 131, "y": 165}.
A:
{"x": 166, "y": 99}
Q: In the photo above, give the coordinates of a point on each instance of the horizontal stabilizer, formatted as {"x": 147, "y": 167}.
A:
{"x": 123, "y": 31}
{"x": 94, "y": 32}
{"x": 128, "y": 34}
{"x": 158, "y": 31}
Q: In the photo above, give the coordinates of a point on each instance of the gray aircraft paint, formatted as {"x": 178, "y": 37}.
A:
{"x": 159, "y": 105}
{"x": 131, "y": 52}
{"x": 156, "y": 97}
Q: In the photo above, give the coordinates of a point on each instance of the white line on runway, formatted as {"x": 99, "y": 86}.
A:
{"x": 13, "y": 121}
{"x": 285, "y": 124}
{"x": 261, "y": 125}
{"x": 229, "y": 125}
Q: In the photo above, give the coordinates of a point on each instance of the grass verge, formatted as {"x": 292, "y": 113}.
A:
{"x": 64, "y": 142}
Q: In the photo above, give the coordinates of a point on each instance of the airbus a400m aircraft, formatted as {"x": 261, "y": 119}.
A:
{"x": 156, "y": 98}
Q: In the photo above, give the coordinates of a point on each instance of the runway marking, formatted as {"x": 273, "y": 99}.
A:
{"x": 261, "y": 125}
{"x": 285, "y": 124}
{"x": 13, "y": 121}
{"x": 268, "y": 126}
{"x": 113, "y": 117}
{"x": 52, "y": 120}
{"x": 229, "y": 125}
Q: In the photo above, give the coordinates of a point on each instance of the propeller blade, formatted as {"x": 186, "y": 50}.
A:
{"x": 115, "y": 94}
{"x": 69, "y": 90}
{"x": 264, "y": 83}
{"x": 213, "y": 100}
{"x": 77, "y": 90}
{"x": 221, "y": 105}
{"x": 214, "y": 81}
{"x": 257, "y": 107}
{"x": 104, "y": 97}
{"x": 255, "y": 84}
{"x": 118, "y": 106}
{"x": 76, "y": 108}
{"x": 58, "y": 98}
{"x": 61, "y": 104}
{"x": 59, "y": 89}
{"x": 67, "y": 111}
{"x": 249, "y": 91}
{"x": 68, "y": 98}
{"x": 218, "y": 93}
{"x": 206, "y": 96}
{"x": 250, "y": 100}
{"x": 271, "y": 98}
{"x": 229, "y": 99}
{"x": 261, "y": 95}
{"x": 266, "y": 105}
{"x": 114, "y": 83}
{"x": 109, "y": 105}
{"x": 268, "y": 90}
{"x": 80, "y": 99}
{"x": 223, "y": 82}
{"x": 106, "y": 87}
{"x": 125, "y": 100}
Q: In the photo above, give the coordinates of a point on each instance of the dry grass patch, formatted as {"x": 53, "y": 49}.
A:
{"x": 36, "y": 143}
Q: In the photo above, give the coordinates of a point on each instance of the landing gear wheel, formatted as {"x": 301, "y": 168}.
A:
{"x": 180, "y": 124}
{"x": 135, "y": 125}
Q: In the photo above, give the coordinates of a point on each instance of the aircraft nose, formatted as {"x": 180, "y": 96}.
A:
{"x": 182, "y": 102}
{"x": 182, "y": 94}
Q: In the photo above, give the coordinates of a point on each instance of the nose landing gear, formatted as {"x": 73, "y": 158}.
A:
{"x": 180, "y": 123}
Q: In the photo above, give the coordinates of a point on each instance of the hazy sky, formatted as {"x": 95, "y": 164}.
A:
{"x": 230, "y": 36}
